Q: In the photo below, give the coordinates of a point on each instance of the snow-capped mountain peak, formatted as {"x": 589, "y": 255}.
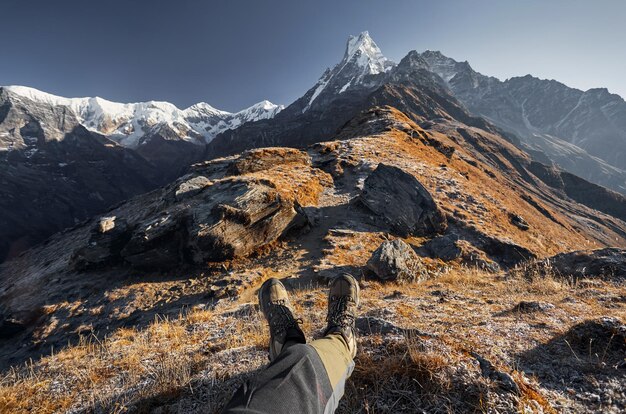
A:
{"x": 366, "y": 54}
{"x": 361, "y": 59}
{"x": 127, "y": 123}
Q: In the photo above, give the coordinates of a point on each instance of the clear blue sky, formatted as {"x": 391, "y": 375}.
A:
{"x": 233, "y": 53}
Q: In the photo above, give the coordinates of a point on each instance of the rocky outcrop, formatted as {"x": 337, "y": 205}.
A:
{"x": 219, "y": 221}
{"x": 396, "y": 260}
{"x": 518, "y": 221}
{"x": 401, "y": 202}
{"x": 199, "y": 220}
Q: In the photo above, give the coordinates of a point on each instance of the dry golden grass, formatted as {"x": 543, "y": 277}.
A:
{"x": 171, "y": 359}
{"x": 110, "y": 374}
{"x": 298, "y": 182}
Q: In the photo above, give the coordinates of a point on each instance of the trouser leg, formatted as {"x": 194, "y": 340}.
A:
{"x": 295, "y": 382}
{"x": 307, "y": 379}
{"x": 338, "y": 363}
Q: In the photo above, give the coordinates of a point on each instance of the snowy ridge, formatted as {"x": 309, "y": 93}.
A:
{"x": 127, "y": 123}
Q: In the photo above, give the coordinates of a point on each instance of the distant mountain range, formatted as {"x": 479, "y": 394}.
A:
{"x": 63, "y": 160}
{"x": 131, "y": 124}
{"x": 582, "y": 132}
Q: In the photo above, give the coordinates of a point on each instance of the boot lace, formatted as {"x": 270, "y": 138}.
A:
{"x": 340, "y": 314}
{"x": 280, "y": 317}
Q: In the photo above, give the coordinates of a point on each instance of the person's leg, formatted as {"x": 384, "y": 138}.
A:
{"x": 296, "y": 381}
{"x": 337, "y": 348}
{"x": 303, "y": 378}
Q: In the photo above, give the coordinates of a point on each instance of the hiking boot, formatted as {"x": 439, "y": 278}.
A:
{"x": 343, "y": 300}
{"x": 276, "y": 307}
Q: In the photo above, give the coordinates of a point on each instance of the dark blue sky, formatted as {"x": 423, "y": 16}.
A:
{"x": 234, "y": 53}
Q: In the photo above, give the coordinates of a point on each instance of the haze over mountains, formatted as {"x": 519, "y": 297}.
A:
{"x": 71, "y": 158}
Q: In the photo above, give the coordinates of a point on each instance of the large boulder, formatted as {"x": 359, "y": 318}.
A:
{"x": 236, "y": 218}
{"x": 227, "y": 219}
{"x": 396, "y": 260}
{"x": 402, "y": 202}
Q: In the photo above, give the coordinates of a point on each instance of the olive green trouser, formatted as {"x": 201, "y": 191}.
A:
{"x": 304, "y": 378}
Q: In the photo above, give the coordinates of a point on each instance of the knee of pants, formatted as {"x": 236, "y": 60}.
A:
{"x": 335, "y": 356}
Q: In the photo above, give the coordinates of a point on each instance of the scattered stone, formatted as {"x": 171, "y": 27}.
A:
{"x": 532, "y": 306}
{"x": 396, "y": 260}
{"x": 402, "y": 202}
{"x": 369, "y": 325}
{"x": 449, "y": 247}
{"x": 395, "y": 295}
{"x": 504, "y": 380}
{"x": 192, "y": 187}
{"x": 518, "y": 221}
{"x": 608, "y": 264}
{"x": 443, "y": 295}
{"x": 234, "y": 283}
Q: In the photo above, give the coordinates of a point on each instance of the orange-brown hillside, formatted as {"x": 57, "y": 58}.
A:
{"x": 106, "y": 332}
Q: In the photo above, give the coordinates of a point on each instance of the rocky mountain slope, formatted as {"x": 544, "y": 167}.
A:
{"x": 582, "y": 132}
{"x": 467, "y": 211}
{"x": 62, "y": 173}
{"x": 426, "y": 87}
